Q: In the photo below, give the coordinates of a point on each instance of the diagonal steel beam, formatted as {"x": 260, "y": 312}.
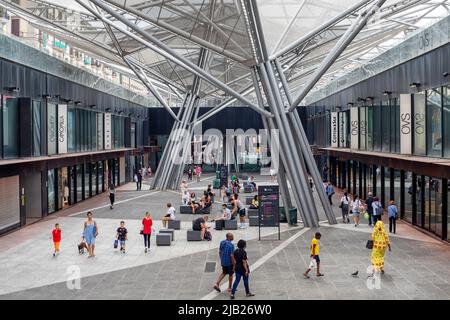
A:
{"x": 162, "y": 49}
{"x": 340, "y": 46}
{"x": 171, "y": 28}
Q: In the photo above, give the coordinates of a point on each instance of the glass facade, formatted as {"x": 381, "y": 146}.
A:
{"x": 434, "y": 122}
{"x": 421, "y": 200}
{"x": 51, "y": 191}
{"x": 51, "y": 129}
{"x": 10, "y": 132}
{"x": 36, "y": 128}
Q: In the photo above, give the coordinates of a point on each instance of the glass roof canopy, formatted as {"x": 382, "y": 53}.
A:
{"x": 298, "y": 33}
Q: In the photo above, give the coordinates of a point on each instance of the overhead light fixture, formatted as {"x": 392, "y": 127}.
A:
{"x": 92, "y": 106}
{"x": 108, "y": 109}
{"x": 77, "y": 103}
{"x": 350, "y": 104}
{"x": 46, "y": 96}
{"x": 69, "y": 101}
{"x": 361, "y": 100}
{"x": 445, "y": 74}
{"x": 370, "y": 98}
{"x": 414, "y": 84}
{"x": 121, "y": 112}
{"x": 12, "y": 89}
{"x": 387, "y": 93}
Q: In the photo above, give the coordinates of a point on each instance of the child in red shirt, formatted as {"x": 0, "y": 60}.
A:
{"x": 56, "y": 235}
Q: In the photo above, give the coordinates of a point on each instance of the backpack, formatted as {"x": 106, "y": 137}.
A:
{"x": 208, "y": 235}
{"x": 379, "y": 210}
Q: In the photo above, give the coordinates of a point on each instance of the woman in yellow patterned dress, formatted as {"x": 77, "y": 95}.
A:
{"x": 380, "y": 242}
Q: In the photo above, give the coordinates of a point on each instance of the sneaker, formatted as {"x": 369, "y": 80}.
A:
{"x": 145, "y": 250}
{"x": 250, "y": 295}
{"x": 306, "y": 276}
{"x": 232, "y": 296}
{"x": 54, "y": 254}
{"x": 216, "y": 288}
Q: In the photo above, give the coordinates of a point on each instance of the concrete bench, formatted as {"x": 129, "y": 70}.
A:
{"x": 163, "y": 239}
{"x": 231, "y": 224}
{"x": 220, "y": 224}
{"x": 248, "y": 200}
{"x": 248, "y": 188}
{"x": 206, "y": 210}
{"x": 168, "y": 231}
{"x": 193, "y": 235}
{"x": 253, "y": 217}
{"x": 185, "y": 210}
{"x": 174, "y": 224}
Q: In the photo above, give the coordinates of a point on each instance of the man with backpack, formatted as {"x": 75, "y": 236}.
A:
{"x": 329, "y": 191}
{"x": 377, "y": 210}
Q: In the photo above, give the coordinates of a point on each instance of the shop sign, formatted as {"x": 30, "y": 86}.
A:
{"x": 62, "y": 128}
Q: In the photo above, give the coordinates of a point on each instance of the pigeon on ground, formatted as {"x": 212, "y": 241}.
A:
{"x": 355, "y": 274}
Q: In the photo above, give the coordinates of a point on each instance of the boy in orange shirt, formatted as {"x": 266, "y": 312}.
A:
{"x": 56, "y": 235}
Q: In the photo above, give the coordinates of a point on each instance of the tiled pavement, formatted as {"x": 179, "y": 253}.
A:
{"x": 417, "y": 267}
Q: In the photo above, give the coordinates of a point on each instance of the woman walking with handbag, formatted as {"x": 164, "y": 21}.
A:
{"x": 345, "y": 203}
{"x": 146, "y": 230}
{"x": 380, "y": 240}
{"x": 356, "y": 206}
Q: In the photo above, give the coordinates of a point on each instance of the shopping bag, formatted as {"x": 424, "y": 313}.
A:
{"x": 366, "y": 215}
{"x": 116, "y": 243}
{"x": 312, "y": 263}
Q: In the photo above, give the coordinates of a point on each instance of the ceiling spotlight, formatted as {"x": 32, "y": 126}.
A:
{"x": 46, "y": 96}
{"x": 414, "y": 84}
{"x": 361, "y": 100}
{"x": 350, "y": 104}
{"x": 92, "y": 106}
{"x": 387, "y": 93}
{"x": 108, "y": 109}
{"x": 77, "y": 103}
{"x": 370, "y": 98}
{"x": 445, "y": 74}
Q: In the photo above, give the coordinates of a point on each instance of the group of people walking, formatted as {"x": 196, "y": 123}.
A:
{"x": 371, "y": 208}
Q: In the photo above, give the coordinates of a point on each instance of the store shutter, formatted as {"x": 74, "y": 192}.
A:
{"x": 9, "y": 202}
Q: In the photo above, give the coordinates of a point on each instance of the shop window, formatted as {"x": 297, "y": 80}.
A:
{"x": 71, "y": 134}
{"x": 80, "y": 183}
{"x": 87, "y": 181}
{"x": 36, "y": 128}
{"x": 10, "y": 116}
{"x": 434, "y": 123}
{"x": 377, "y": 137}
{"x": 51, "y": 191}
{"x": 409, "y": 196}
{"x": 446, "y": 120}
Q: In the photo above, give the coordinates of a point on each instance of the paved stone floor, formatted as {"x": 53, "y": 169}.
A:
{"x": 417, "y": 267}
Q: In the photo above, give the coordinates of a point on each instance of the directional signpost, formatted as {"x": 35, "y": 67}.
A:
{"x": 269, "y": 207}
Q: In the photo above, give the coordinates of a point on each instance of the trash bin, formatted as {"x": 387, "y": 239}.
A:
{"x": 216, "y": 184}
{"x": 292, "y": 215}
{"x": 283, "y": 215}
{"x": 217, "y": 174}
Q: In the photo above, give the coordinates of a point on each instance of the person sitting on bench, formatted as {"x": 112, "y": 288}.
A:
{"x": 251, "y": 180}
{"x": 170, "y": 214}
{"x": 193, "y": 204}
{"x": 226, "y": 214}
{"x": 199, "y": 224}
{"x": 206, "y": 201}
{"x": 255, "y": 203}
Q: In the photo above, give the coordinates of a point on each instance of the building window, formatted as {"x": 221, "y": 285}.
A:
{"x": 409, "y": 197}
{"x": 434, "y": 122}
{"x": 51, "y": 193}
{"x": 51, "y": 129}
{"x": 80, "y": 182}
{"x": 395, "y": 125}
{"x": 377, "y": 137}
{"x": 10, "y": 116}
{"x": 36, "y": 127}
{"x": 87, "y": 185}
{"x": 446, "y": 120}
{"x": 71, "y": 135}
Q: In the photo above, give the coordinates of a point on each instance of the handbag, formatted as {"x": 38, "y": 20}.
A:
{"x": 141, "y": 232}
{"x": 341, "y": 205}
{"x": 116, "y": 243}
{"x": 369, "y": 244}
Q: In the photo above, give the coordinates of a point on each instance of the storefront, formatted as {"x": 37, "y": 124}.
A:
{"x": 422, "y": 199}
